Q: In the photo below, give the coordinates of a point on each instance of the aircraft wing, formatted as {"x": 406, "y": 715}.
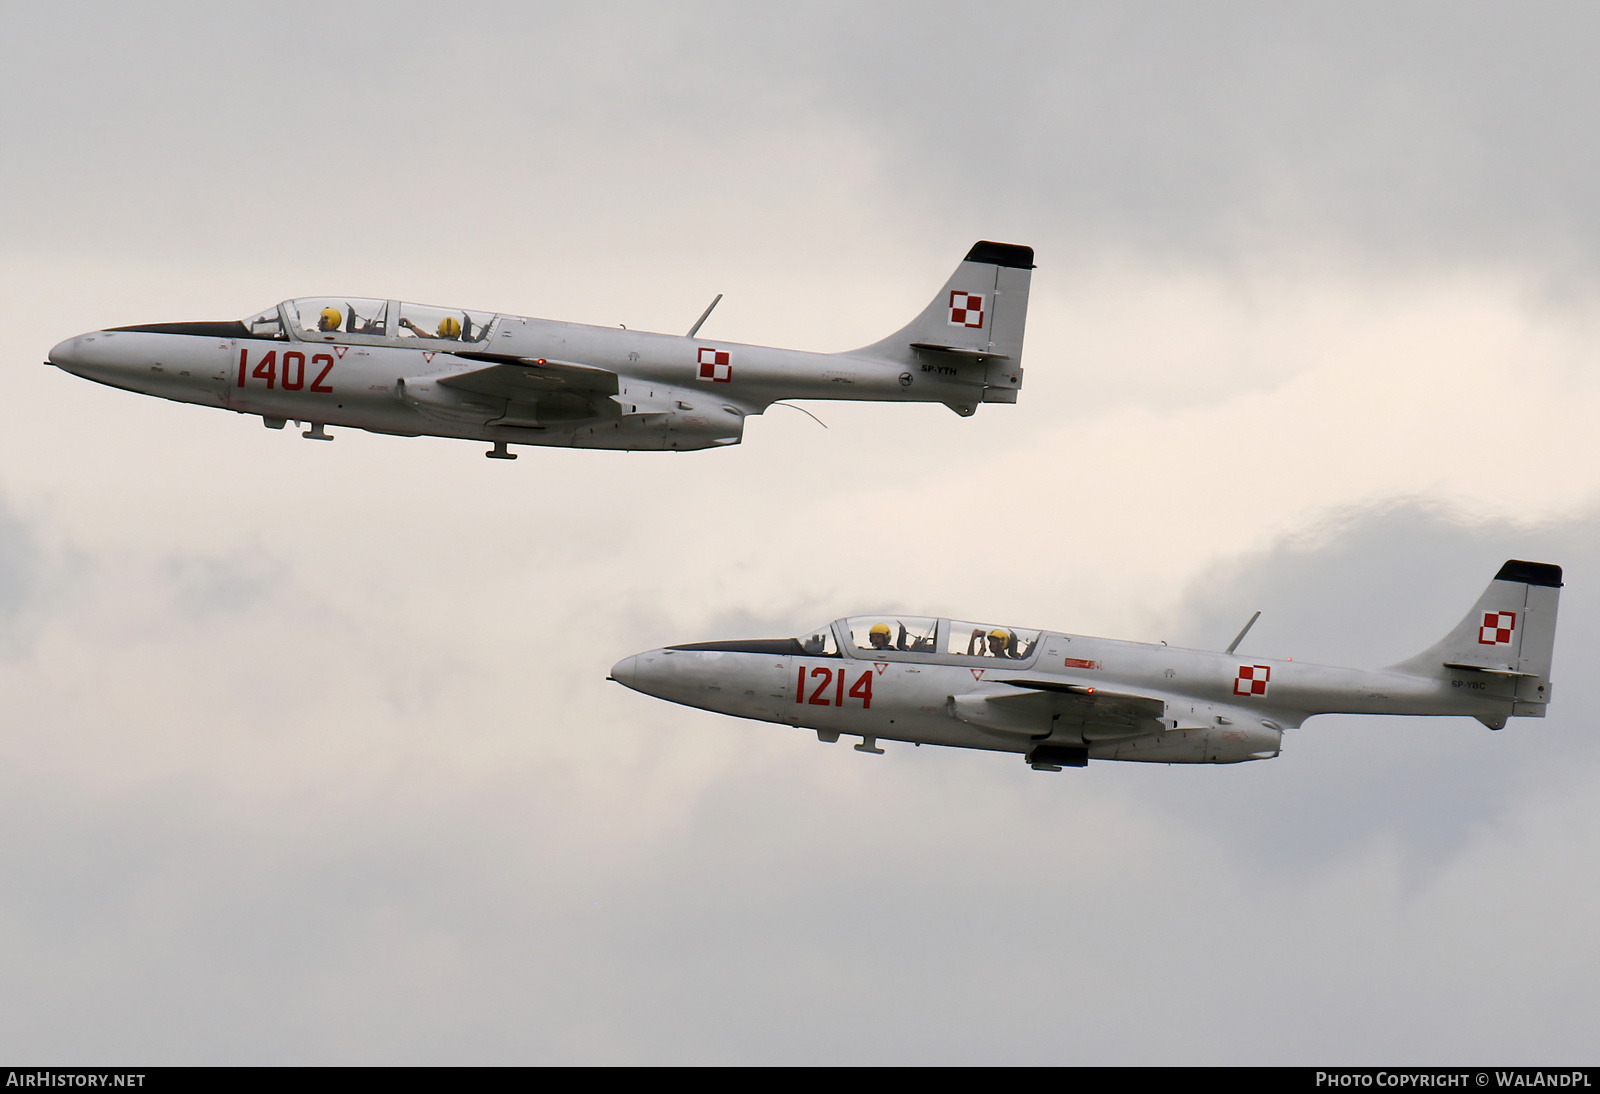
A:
{"x": 1097, "y": 702}
{"x": 518, "y": 378}
{"x": 1033, "y": 706}
{"x": 1101, "y": 714}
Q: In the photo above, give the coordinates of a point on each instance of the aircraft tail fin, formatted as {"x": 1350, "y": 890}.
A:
{"x": 974, "y": 324}
{"x": 1509, "y": 634}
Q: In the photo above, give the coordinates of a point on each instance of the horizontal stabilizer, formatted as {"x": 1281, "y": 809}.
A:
{"x": 1491, "y": 672}
{"x": 976, "y": 354}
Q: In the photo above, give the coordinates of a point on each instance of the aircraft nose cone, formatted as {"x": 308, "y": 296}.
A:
{"x": 65, "y": 354}
{"x": 623, "y": 671}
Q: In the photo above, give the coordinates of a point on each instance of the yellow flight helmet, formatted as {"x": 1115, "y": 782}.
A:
{"x": 880, "y": 628}
{"x": 1001, "y": 634}
{"x": 449, "y": 327}
{"x": 329, "y": 319}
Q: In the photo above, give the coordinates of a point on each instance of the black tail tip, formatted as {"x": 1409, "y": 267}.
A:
{"x": 1530, "y": 573}
{"x": 1001, "y": 254}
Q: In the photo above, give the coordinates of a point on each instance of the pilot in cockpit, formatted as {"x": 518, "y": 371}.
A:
{"x": 880, "y": 636}
{"x": 999, "y": 643}
{"x": 449, "y": 328}
{"x": 328, "y": 320}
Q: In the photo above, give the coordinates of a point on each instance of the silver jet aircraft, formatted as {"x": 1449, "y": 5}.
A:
{"x": 393, "y": 367}
{"x": 1063, "y": 699}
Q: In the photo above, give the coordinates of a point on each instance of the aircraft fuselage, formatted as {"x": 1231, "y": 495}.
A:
{"x": 1063, "y": 699}
{"x": 662, "y": 401}
{"x": 389, "y": 366}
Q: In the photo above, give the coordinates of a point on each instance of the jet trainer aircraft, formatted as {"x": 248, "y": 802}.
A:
{"x": 408, "y": 369}
{"x": 1063, "y": 699}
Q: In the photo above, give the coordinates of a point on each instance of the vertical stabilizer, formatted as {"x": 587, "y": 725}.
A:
{"x": 1509, "y": 633}
{"x": 974, "y": 323}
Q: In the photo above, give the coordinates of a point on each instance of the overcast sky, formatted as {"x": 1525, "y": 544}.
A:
{"x": 307, "y": 753}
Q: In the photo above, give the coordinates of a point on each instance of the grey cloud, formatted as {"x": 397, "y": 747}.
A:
{"x": 1421, "y": 132}
{"x": 1369, "y": 588}
{"x": 380, "y": 805}
{"x": 17, "y": 563}
{"x": 19, "y": 569}
{"x": 351, "y": 882}
{"x": 204, "y": 585}
{"x": 1428, "y": 133}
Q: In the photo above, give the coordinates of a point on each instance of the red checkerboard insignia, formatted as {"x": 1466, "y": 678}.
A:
{"x": 966, "y": 308}
{"x": 1252, "y": 680}
{"x": 714, "y": 365}
{"x": 1497, "y": 628}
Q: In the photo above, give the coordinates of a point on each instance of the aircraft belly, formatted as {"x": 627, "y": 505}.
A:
{"x": 361, "y": 410}
{"x": 182, "y": 389}
{"x": 892, "y": 701}
{"x": 1212, "y": 745}
{"x": 390, "y": 390}
{"x": 366, "y": 389}
{"x": 942, "y": 730}
{"x": 1181, "y": 746}
{"x": 916, "y": 727}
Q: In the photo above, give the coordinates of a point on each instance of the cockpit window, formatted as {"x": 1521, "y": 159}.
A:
{"x": 267, "y": 324}
{"x": 910, "y": 634}
{"x": 325, "y": 319}
{"x": 988, "y": 640}
{"x": 443, "y": 324}
{"x": 819, "y": 642}
{"x": 342, "y": 318}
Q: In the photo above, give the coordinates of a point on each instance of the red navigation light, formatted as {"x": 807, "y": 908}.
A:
{"x": 540, "y": 361}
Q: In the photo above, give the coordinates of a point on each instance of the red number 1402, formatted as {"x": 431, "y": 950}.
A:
{"x": 293, "y": 375}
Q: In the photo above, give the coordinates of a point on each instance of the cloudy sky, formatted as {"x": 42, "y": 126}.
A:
{"x": 307, "y": 752}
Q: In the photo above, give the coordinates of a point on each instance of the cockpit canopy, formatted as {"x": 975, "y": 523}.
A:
{"x": 989, "y": 640}
{"x": 266, "y": 324}
{"x": 354, "y": 319}
{"x": 891, "y": 637}
{"x": 906, "y": 633}
{"x": 819, "y": 642}
{"x": 869, "y": 635}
